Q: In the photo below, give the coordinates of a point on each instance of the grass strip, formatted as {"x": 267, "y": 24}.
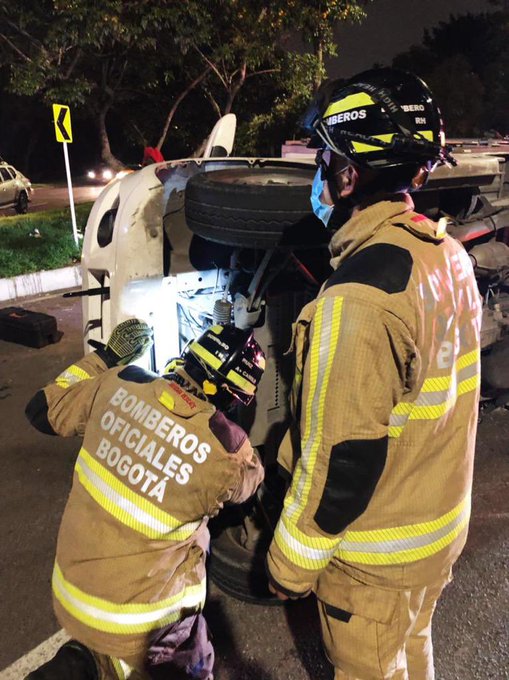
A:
{"x": 23, "y": 252}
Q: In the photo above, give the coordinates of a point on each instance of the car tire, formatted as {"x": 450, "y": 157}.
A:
{"x": 254, "y": 208}
{"x": 239, "y": 571}
{"x": 22, "y": 203}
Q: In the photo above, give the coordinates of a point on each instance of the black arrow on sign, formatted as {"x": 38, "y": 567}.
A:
{"x": 60, "y": 123}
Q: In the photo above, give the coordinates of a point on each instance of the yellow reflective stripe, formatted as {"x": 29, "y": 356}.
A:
{"x": 71, "y": 375}
{"x": 410, "y": 530}
{"x": 361, "y": 147}
{"x": 437, "y": 411}
{"x": 305, "y": 551}
{"x": 432, "y": 412}
{"x": 403, "y": 408}
{"x": 397, "y": 545}
{"x": 130, "y": 508}
{"x": 323, "y": 349}
{"x": 438, "y": 395}
{"x": 119, "y": 669}
{"x": 467, "y": 359}
{"x": 395, "y": 431}
{"x": 167, "y": 401}
{"x": 469, "y": 385}
{"x": 404, "y": 556}
{"x": 129, "y": 618}
{"x": 437, "y": 384}
{"x": 207, "y": 356}
{"x": 353, "y": 101}
{"x": 320, "y": 543}
{"x": 394, "y": 545}
{"x": 241, "y": 382}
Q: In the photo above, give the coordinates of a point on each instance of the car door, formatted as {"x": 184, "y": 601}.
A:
{"x": 13, "y": 184}
{"x": 7, "y": 187}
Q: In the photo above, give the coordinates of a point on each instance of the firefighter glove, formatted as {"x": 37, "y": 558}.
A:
{"x": 128, "y": 342}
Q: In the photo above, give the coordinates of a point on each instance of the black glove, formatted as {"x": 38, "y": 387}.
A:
{"x": 128, "y": 342}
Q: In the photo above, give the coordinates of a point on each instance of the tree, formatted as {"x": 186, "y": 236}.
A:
{"x": 315, "y": 20}
{"x": 466, "y": 64}
{"x": 95, "y": 56}
{"x": 300, "y": 72}
{"x": 145, "y": 63}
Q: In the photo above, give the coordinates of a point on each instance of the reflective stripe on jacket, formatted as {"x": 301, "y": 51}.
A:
{"x": 155, "y": 463}
{"x": 385, "y": 398}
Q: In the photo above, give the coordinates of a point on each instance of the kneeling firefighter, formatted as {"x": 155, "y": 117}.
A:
{"x": 386, "y": 388}
{"x": 159, "y": 457}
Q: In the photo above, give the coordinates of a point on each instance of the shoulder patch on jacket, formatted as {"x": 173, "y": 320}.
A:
{"x": 137, "y": 374}
{"x": 383, "y": 266}
{"x": 355, "y": 466}
{"x": 231, "y": 435}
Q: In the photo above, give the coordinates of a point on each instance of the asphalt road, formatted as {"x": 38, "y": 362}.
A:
{"x": 47, "y": 197}
{"x": 253, "y": 642}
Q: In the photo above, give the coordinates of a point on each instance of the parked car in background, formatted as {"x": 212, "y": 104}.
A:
{"x": 15, "y": 189}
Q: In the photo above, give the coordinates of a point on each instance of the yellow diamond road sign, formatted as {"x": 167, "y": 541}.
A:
{"x": 62, "y": 120}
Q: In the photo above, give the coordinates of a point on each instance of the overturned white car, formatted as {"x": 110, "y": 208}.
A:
{"x": 184, "y": 243}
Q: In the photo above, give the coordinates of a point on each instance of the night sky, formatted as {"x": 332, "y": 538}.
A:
{"x": 391, "y": 27}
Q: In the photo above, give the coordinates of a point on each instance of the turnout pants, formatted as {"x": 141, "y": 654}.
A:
{"x": 364, "y": 649}
{"x": 182, "y": 651}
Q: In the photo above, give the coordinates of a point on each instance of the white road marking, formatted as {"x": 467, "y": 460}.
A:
{"x": 28, "y": 663}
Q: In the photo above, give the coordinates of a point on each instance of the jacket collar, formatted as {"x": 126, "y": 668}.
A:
{"x": 364, "y": 224}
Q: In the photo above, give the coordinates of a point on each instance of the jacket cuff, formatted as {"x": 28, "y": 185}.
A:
{"x": 287, "y": 577}
{"x": 282, "y": 589}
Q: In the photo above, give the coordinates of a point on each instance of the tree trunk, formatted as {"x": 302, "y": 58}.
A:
{"x": 234, "y": 89}
{"x": 317, "y": 79}
{"x": 177, "y": 103}
{"x": 106, "y": 153}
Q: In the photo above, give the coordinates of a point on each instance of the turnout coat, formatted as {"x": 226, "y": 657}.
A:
{"x": 155, "y": 464}
{"x": 385, "y": 401}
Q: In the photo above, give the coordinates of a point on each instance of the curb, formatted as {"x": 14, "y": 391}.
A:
{"x": 29, "y": 285}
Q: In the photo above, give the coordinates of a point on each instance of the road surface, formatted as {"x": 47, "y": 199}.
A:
{"x": 47, "y": 197}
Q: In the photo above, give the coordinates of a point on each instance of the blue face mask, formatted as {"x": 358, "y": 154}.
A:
{"x": 322, "y": 210}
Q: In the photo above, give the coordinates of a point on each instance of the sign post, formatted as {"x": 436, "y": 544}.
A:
{"x": 63, "y": 133}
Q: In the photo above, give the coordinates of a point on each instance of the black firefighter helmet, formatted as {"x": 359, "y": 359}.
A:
{"x": 380, "y": 118}
{"x": 227, "y": 363}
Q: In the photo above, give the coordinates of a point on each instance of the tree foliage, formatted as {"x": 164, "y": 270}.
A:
{"x": 148, "y": 65}
{"x": 466, "y": 63}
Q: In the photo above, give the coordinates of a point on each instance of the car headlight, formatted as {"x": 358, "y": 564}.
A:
{"x": 91, "y": 174}
{"x": 107, "y": 174}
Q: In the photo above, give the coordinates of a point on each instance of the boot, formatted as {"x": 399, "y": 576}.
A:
{"x": 73, "y": 661}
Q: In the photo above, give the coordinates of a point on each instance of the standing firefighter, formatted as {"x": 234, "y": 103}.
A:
{"x": 158, "y": 458}
{"x": 386, "y": 388}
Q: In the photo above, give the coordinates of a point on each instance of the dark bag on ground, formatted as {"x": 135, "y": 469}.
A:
{"x": 33, "y": 329}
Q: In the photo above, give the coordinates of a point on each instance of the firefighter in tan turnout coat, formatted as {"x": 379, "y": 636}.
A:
{"x": 386, "y": 390}
{"x": 158, "y": 458}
